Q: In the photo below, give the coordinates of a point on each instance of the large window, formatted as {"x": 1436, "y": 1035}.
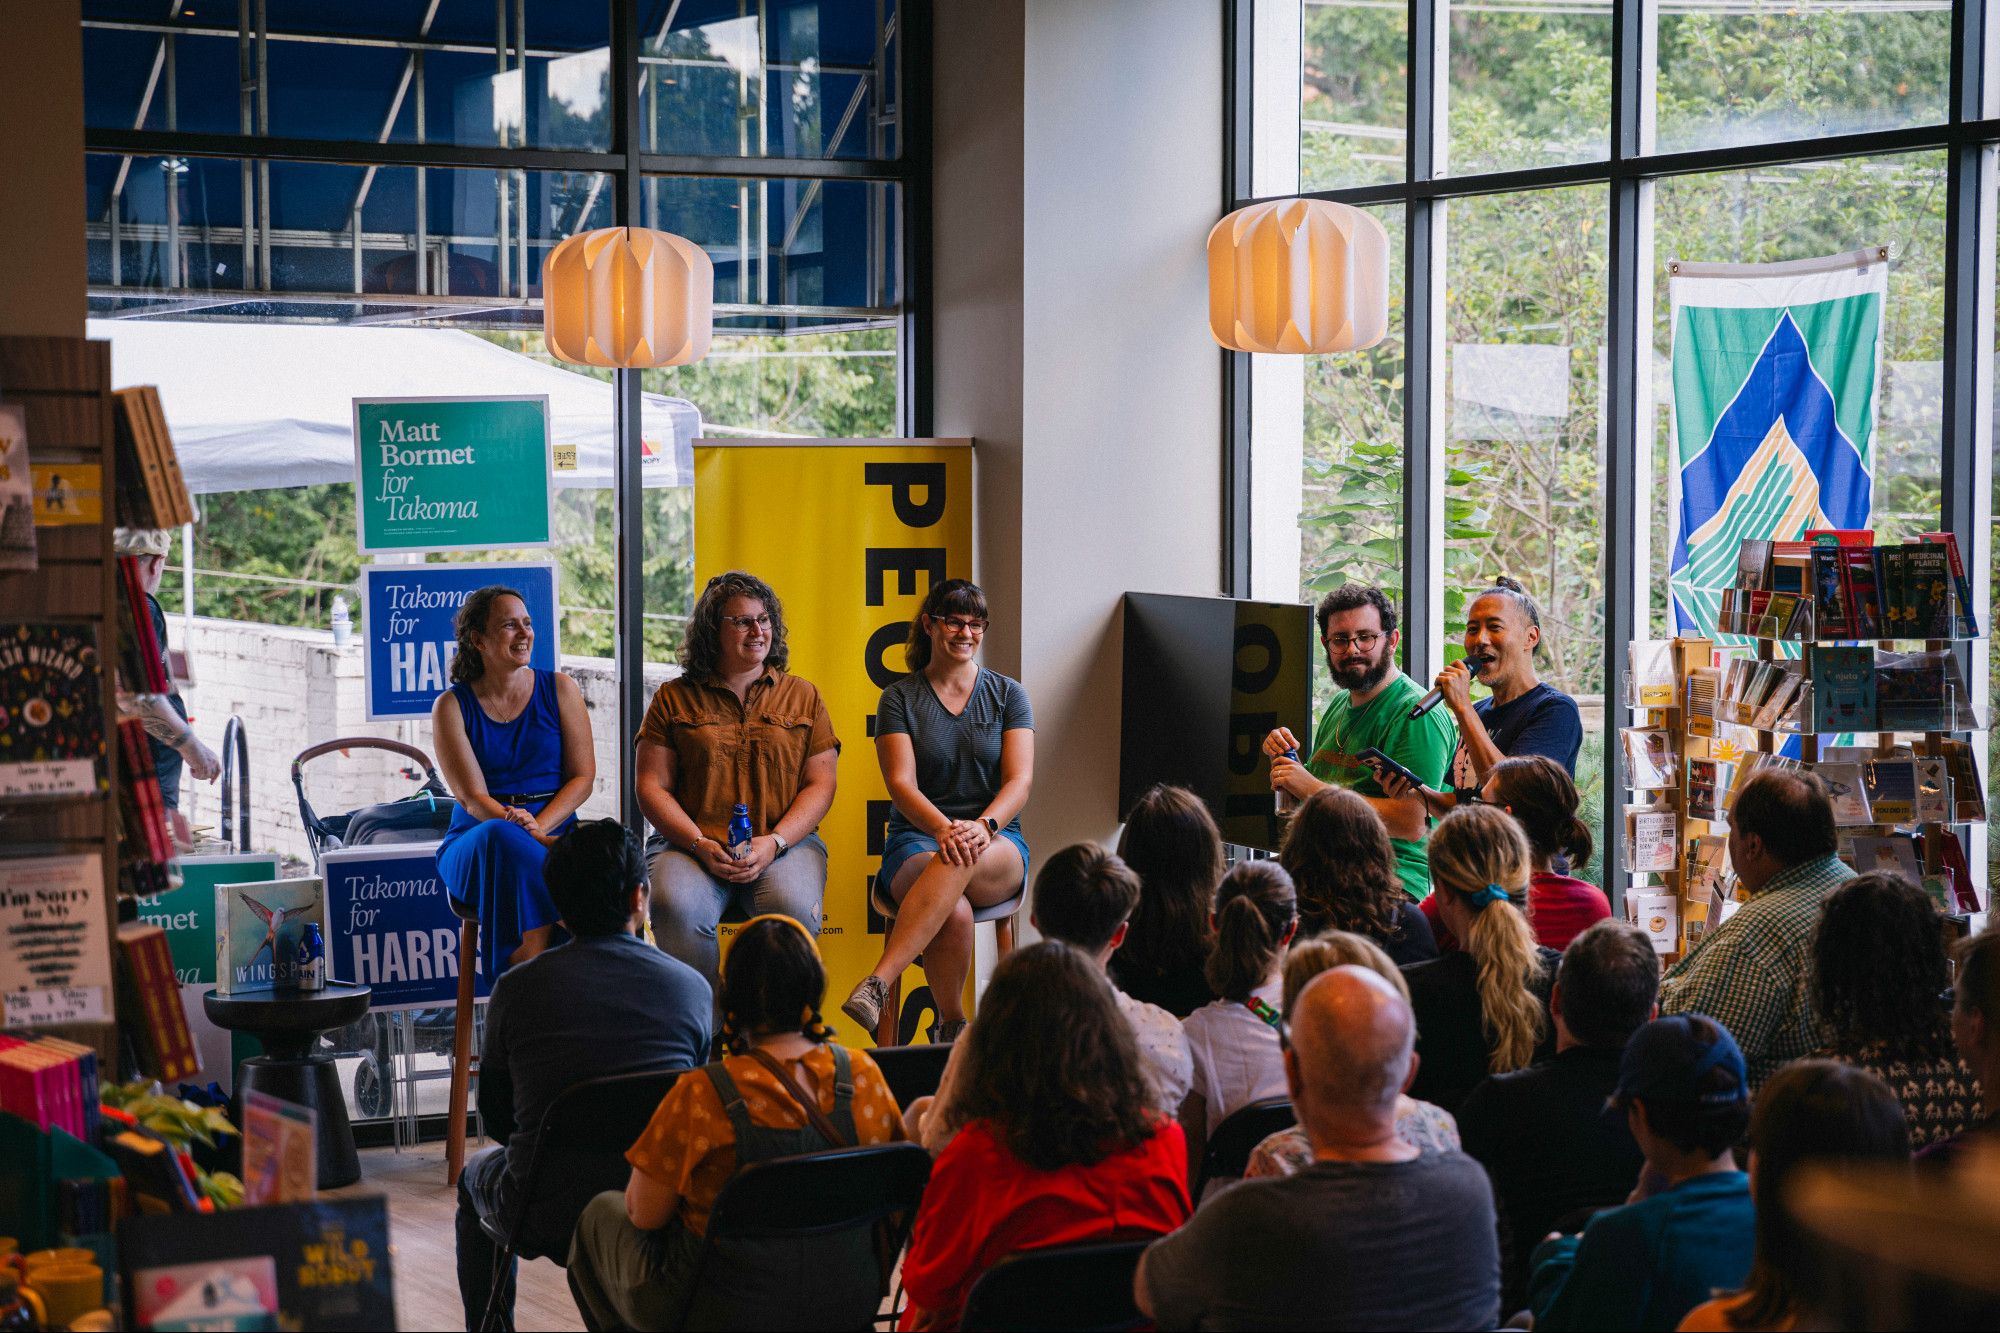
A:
{"x": 1525, "y": 387}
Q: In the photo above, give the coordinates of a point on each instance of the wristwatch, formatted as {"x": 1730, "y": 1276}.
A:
{"x": 779, "y": 838}
{"x": 992, "y": 824}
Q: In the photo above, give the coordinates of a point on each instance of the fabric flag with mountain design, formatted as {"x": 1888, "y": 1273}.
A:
{"x": 1776, "y": 371}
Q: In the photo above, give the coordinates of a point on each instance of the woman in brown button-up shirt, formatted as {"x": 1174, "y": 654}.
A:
{"x": 734, "y": 729}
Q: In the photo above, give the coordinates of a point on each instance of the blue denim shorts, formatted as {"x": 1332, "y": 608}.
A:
{"x": 904, "y": 842}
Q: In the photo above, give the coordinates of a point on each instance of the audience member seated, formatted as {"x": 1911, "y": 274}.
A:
{"x": 735, "y": 727}
{"x": 546, "y": 1030}
{"x": 1371, "y": 710}
{"x": 956, "y": 745}
{"x": 1811, "y": 1112}
{"x": 1337, "y": 852}
{"x": 1483, "y": 1009}
{"x": 1424, "y": 1127}
{"x": 1753, "y": 974}
{"x": 1172, "y": 844}
{"x": 1082, "y": 898}
{"x": 1879, "y": 971}
{"x": 513, "y": 742}
{"x": 1061, "y": 1143}
{"x": 1541, "y": 796}
{"x": 1373, "y": 1234}
{"x": 1234, "y": 1040}
{"x": 1541, "y": 1132}
{"x": 1683, "y": 1090}
{"x": 634, "y": 1254}
{"x": 1975, "y": 1028}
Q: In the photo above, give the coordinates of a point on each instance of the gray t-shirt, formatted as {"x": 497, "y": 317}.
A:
{"x": 958, "y": 758}
{"x": 1366, "y": 1245}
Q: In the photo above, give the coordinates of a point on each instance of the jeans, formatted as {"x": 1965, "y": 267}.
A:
{"x": 688, "y": 903}
{"x": 479, "y": 1195}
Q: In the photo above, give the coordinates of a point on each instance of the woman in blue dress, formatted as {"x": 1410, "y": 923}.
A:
{"x": 514, "y": 743}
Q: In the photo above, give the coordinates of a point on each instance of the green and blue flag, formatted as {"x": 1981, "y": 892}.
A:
{"x": 1776, "y": 371}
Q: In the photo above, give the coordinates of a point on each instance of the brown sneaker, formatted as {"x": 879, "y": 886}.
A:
{"x": 864, "y": 1006}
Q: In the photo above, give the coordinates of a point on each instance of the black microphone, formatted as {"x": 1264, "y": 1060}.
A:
{"x": 1474, "y": 663}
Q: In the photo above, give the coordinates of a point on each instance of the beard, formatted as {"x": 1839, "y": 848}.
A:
{"x": 1360, "y": 677}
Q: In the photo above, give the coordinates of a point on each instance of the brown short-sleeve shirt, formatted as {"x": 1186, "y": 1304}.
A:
{"x": 728, "y": 751}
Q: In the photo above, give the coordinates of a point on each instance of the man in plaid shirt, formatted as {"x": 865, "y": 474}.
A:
{"x": 1753, "y": 974}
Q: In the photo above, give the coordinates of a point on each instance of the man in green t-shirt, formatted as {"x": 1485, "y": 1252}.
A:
{"x": 1357, "y": 627}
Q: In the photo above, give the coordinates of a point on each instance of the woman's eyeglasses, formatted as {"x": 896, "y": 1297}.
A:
{"x": 762, "y": 621}
{"x": 960, "y": 625}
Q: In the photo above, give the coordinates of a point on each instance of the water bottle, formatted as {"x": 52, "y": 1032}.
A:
{"x": 343, "y": 623}
{"x": 1288, "y": 803}
{"x": 739, "y": 832}
{"x": 311, "y": 970}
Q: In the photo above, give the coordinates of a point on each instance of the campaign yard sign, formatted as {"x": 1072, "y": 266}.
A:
{"x": 389, "y": 926}
{"x": 453, "y": 474}
{"x": 407, "y": 613}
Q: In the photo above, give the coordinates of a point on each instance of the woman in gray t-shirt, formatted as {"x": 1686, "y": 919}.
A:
{"x": 957, "y": 747}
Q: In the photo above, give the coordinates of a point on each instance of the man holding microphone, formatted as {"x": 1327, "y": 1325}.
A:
{"x": 1374, "y": 710}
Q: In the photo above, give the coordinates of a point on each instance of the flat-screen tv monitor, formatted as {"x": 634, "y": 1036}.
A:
{"x": 1205, "y": 679}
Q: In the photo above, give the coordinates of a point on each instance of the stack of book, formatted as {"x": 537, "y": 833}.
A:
{"x": 151, "y": 491}
{"x": 50, "y": 1083}
{"x": 142, "y": 667}
{"x": 1840, "y": 585}
{"x": 149, "y": 1002}
{"x": 145, "y": 847}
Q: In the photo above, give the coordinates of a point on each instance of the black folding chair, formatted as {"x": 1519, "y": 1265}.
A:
{"x": 1085, "y": 1287}
{"x": 813, "y": 1209}
{"x": 580, "y": 1150}
{"x": 911, "y": 1071}
{"x": 1228, "y": 1149}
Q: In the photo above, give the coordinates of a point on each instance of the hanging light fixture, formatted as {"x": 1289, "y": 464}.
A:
{"x": 629, "y": 297}
{"x": 1298, "y": 276}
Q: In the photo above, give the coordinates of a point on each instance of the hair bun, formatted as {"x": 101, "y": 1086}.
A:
{"x": 1510, "y": 583}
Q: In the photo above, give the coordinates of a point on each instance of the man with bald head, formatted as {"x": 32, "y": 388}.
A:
{"x": 1371, "y": 1235}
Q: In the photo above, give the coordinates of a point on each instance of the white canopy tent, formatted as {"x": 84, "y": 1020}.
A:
{"x": 260, "y": 406}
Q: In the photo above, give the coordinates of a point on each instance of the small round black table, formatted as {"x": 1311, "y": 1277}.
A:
{"x": 289, "y": 1023}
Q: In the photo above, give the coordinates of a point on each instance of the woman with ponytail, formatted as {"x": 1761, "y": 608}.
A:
{"x": 1234, "y": 1039}
{"x": 784, "y": 1088}
{"x": 1484, "y": 1008}
{"x": 1542, "y": 797}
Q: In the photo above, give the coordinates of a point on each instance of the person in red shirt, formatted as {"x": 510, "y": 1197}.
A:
{"x": 1062, "y": 1144}
{"x": 1542, "y": 797}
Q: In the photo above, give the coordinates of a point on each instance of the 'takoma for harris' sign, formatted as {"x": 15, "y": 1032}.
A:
{"x": 452, "y": 474}
{"x": 407, "y": 612}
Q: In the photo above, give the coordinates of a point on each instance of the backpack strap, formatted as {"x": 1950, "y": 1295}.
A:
{"x": 732, "y": 1100}
{"x": 843, "y": 1089}
{"x": 843, "y": 1093}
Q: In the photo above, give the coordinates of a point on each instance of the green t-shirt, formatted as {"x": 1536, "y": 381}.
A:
{"x": 1423, "y": 746}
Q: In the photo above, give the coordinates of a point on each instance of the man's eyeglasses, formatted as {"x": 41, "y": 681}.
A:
{"x": 960, "y": 625}
{"x": 759, "y": 621}
{"x": 1365, "y": 641}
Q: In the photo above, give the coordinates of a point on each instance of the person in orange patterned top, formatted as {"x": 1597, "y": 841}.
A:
{"x": 634, "y": 1254}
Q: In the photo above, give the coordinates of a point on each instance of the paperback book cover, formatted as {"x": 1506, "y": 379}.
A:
{"x": 1829, "y": 595}
{"x": 258, "y": 926}
{"x": 1967, "y": 624}
{"x": 1753, "y": 564}
{"x": 1864, "y": 595}
{"x": 325, "y": 1264}
{"x": 1849, "y": 792}
{"x": 17, "y": 492}
{"x": 1843, "y": 688}
{"x": 52, "y": 733}
{"x": 1931, "y": 611}
{"x": 1892, "y": 789}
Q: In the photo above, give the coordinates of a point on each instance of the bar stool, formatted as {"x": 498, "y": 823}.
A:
{"x": 887, "y": 1030}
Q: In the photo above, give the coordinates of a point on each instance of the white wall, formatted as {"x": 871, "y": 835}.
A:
{"x": 1079, "y": 169}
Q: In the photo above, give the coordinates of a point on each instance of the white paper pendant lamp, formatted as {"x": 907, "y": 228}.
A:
{"x": 629, "y": 297}
{"x": 1298, "y": 276}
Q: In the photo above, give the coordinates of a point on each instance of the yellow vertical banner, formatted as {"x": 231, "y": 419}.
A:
{"x": 850, "y": 534}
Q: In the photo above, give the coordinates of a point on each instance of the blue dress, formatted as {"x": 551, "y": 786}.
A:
{"x": 490, "y": 865}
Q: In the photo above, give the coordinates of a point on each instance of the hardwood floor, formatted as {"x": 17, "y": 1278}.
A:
{"x": 421, "y": 1208}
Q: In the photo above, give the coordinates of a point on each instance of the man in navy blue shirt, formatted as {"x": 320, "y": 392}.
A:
{"x": 1524, "y": 715}
{"x": 604, "y": 1003}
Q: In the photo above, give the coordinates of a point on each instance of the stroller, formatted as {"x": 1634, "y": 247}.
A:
{"x": 422, "y": 816}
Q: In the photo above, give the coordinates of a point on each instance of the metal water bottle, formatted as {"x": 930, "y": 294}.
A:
{"x": 1288, "y": 803}
{"x": 311, "y": 970}
{"x": 739, "y": 832}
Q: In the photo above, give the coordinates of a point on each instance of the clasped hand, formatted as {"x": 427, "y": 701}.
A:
{"x": 717, "y": 861}
{"x": 525, "y": 820}
{"x": 963, "y": 842}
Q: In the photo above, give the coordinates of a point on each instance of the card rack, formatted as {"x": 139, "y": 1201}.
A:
{"x": 63, "y": 387}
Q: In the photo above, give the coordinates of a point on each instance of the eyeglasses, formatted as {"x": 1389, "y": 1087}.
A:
{"x": 759, "y": 621}
{"x": 959, "y": 625}
{"x": 1365, "y": 641}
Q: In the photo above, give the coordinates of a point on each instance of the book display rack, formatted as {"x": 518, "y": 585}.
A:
{"x": 1876, "y": 717}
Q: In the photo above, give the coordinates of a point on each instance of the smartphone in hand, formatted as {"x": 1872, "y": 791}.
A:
{"x": 1382, "y": 763}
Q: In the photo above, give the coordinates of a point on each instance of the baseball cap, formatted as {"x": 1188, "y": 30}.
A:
{"x": 142, "y": 541}
{"x": 1667, "y": 1060}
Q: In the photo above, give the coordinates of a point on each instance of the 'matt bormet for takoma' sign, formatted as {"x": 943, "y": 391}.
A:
{"x": 452, "y": 474}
